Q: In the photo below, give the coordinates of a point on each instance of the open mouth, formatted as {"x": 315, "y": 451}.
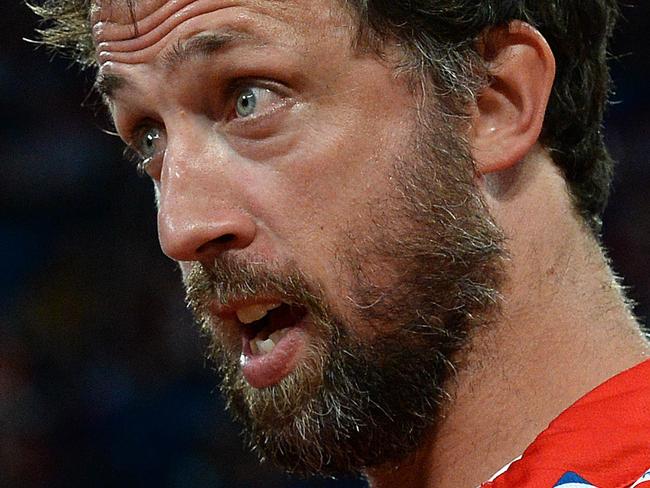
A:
{"x": 265, "y": 325}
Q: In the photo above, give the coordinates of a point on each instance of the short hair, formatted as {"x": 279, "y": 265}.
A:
{"x": 440, "y": 38}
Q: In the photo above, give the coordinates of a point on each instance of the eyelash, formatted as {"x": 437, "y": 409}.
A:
{"x": 131, "y": 156}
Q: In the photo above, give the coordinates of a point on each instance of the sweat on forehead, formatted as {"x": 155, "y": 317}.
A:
{"x": 129, "y": 26}
{"x": 127, "y": 11}
{"x": 118, "y": 20}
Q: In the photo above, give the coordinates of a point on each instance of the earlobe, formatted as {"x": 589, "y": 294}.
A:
{"x": 509, "y": 111}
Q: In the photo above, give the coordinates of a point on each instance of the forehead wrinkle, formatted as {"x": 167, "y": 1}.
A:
{"x": 145, "y": 13}
{"x": 113, "y": 25}
{"x": 138, "y": 49}
{"x": 203, "y": 43}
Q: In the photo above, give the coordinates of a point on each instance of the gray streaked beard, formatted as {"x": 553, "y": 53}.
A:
{"x": 355, "y": 403}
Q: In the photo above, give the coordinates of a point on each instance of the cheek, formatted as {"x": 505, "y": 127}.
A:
{"x": 321, "y": 211}
{"x": 336, "y": 169}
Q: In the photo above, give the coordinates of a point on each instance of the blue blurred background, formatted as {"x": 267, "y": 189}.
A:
{"x": 103, "y": 380}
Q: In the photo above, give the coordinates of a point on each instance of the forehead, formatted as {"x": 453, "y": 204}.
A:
{"x": 139, "y": 32}
{"x": 150, "y": 20}
{"x": 125, "y": 11}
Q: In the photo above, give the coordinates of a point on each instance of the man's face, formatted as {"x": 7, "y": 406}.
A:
{"x": 334, "y": 246}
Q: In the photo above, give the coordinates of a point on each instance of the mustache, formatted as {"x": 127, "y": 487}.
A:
{"x": 230, "y": 279}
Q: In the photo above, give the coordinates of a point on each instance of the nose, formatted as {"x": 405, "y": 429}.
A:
{"x": 197, "y": 221}
{"x": 191, "y": 238}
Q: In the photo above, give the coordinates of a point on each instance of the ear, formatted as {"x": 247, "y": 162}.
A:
{"x": 509, "y": 112}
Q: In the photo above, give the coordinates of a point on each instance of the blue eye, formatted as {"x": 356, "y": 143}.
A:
{"x": 255, "y": 101}
{"x": 246, "y": 102}
{"x": 148, "y": 144}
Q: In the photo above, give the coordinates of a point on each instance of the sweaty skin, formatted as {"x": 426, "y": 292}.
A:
{"x": 116, "y": 41}
{"x": 283, "y": 182}
{"x": 300, "y": 181}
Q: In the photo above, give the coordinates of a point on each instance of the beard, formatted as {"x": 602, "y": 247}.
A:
{"x": 356, "y": 402}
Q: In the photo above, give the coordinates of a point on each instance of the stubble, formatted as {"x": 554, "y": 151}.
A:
{"x": 354, "y": 401}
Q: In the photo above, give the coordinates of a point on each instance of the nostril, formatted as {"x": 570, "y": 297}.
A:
{"x": 223, "y": 241}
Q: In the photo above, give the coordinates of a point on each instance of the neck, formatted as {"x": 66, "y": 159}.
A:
{"x": 564, "y": 328}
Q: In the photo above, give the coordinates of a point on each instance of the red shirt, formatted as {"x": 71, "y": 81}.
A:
{"x": 602, "y": 440}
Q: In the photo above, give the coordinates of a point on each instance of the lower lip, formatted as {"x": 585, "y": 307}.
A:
{"x": 269, "y": 369}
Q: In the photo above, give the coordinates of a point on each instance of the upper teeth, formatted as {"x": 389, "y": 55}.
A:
{"x": 257, "y": 311}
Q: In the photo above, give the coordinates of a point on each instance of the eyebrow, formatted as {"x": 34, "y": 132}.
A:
{"x": 108, "y": 84}
{"x": 204, "y": 44}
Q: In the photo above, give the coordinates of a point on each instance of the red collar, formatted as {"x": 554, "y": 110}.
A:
{"x": 604, "y": 437}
